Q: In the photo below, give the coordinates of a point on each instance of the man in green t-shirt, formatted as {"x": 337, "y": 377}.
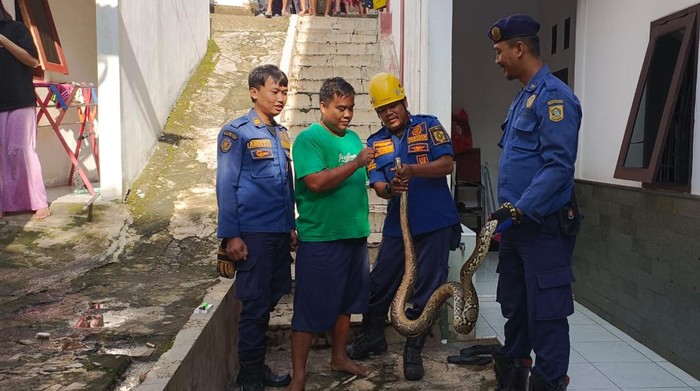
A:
{"x": 332, "y": 264}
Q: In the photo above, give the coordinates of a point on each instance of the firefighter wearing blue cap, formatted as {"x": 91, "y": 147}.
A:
{"x": 256, "y": 218}
{"x": 538, "y": 217}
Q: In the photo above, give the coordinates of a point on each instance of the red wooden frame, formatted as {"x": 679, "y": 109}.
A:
{"x": 29, "y": 20}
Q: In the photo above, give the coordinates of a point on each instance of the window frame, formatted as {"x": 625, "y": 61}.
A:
{"x": 687, "y": 20}
{"x": 28, "y": 18}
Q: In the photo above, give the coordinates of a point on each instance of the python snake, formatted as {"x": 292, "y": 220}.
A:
{"x": 466, "y": 300}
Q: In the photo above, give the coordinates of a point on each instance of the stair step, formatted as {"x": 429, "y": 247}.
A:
{"x": 322, "y": 36}
{"x": 309, "y": 85}
{"x": 308, "y": 101}
{"x": 337, "y": 60}
{"x": 324, "y": 72}
{"x": 339, "y": 25}
{"x": 337, "y": 48}
{"x": 296, "y": 116}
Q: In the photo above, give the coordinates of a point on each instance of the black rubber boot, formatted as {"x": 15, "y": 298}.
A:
{"x": 271, "y": 379}
{"x": 251, "y": 375}
{"x": 511, "y": 375}
{"x": 371, "y": 340}
{"x": 412, "y": 360}
{"x": 539, "y": 384}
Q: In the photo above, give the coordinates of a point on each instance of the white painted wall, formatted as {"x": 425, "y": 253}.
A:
{"x": 607, "y": 72}
{"x": 140, "y": 54}
{"x": 427, "y": 54}
{"x": 478, "y": 84}
{"x": 160, "y": 44}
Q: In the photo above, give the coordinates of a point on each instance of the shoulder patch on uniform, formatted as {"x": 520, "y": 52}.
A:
{"x": 225, "y": 145}
{"x": 422, "y": 159}
{"x": 556, "y": 112}
{"x": 555, "y": 101}
{"x": 439, "y": 135}
{"x": 230, "y": 134}
{"x": 530, "y": 101}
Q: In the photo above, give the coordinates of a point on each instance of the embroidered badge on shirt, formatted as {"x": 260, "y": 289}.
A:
{"x": 439, "y": 135}
{"x": 225, "y": 145}
{"x": 284, "y": 139}
{"x": 383, "y": 147}
{"x": 417, "y": 134}
{"x": 422, "y": 159}
{"x": 556, "y": 113}
{"x": 259, "y": 143}
{"x": 229, "y": 133}
{"x": 530, "y": 101}
{"x": 256, "y": 121}
{"x": 261, "y": 154}
{"x": 418, "y": 147}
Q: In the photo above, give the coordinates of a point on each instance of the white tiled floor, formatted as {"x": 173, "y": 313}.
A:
{"x": 603, "y": 358}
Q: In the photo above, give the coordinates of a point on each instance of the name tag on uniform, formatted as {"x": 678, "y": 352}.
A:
{"x": 259, "y": 143}
{"x": 383, "y": 147}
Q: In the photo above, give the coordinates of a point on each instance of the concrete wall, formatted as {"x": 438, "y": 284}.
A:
{"x": 427, "y": 54}
{"x": 160, "y": 45}
{"x": 636, "y": 265}
{"x": 607, "y": 72}
{"x": 478, "y": 85}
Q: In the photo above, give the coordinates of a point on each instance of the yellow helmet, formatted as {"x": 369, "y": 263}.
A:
{"x": 385, "y": 88}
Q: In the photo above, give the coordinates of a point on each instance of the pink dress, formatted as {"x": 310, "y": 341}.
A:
{"x": 21, "y": 184}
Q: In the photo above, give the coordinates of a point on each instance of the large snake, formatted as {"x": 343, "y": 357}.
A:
{"x": 466, "y": 300}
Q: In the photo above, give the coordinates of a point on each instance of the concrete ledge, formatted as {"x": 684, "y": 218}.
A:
{"x": 204, "y": 355}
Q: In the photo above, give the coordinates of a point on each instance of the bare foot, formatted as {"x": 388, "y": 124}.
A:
{"x": 42, "y": 213}
{"x": 349, "y": 366}
{"x": 297, "y": 384}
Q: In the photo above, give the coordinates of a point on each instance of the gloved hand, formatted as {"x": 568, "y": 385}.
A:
{"x": 224, "y": 264}
{"x": 505, "y": 217}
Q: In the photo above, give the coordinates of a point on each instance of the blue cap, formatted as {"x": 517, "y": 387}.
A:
{"x": 518, "y": 25}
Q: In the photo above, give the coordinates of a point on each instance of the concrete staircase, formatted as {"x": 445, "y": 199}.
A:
{"x": 325, "y": 47}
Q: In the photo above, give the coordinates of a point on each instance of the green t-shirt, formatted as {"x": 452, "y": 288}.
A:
{"x": 340, "y": 213}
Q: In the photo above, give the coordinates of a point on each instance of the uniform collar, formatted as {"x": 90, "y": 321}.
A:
{"x": 257, "y": 121}
{"x": 537, "y": 79}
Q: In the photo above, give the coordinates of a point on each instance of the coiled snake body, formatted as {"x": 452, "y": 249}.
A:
{"x": 466, "y": 301}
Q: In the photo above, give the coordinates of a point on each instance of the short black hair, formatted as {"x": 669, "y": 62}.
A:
{"x": 335, "y": 87}
{"x": 259, "y": 74}
{"x": 532, "y": 42}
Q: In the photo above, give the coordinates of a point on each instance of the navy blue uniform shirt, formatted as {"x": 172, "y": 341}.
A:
{"x": 539, "y": 144}
{"x": 430, "y": 203}
{"x": 253, "y": 178}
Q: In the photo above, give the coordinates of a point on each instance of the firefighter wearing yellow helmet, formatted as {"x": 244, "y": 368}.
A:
{"x": 425, "y": 150}
{"x": 385, "y": 88}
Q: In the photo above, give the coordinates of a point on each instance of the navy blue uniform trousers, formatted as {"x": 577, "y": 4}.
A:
{"x": 432, "y": 251}
{"x": 261, "y": 281}
{"x": 534, "y": 290}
